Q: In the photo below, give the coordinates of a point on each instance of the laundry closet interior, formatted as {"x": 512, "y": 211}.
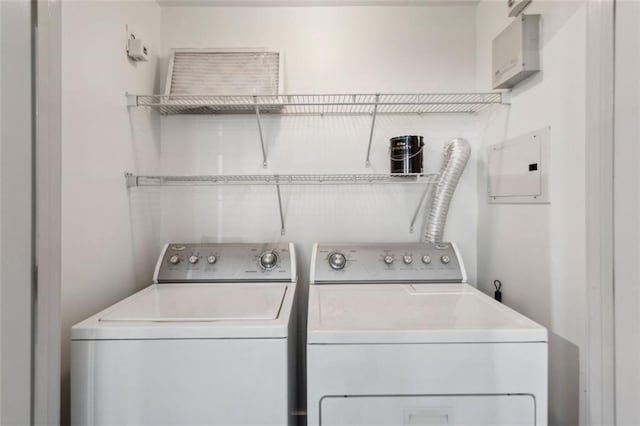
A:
{"x": 310, "y": 163}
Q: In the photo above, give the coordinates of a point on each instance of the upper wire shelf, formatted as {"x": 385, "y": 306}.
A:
{"x": 336, "y": 104}
{"x": 350, "y": 104}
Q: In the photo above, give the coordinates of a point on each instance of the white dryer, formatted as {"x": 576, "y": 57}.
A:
{"x": 396, "y": 337}
{"x": 210, "y": 343}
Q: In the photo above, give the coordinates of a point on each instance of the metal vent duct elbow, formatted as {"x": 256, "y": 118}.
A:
{"x": 456, "y": 155}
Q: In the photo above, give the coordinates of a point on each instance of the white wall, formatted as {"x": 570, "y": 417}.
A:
{"x": 627, "y": 212}
{"x": 342, "y": 49}
{"x": 109, "y": 239}
{"x": 538, "y": 251}
{"x": 327, "y": 50}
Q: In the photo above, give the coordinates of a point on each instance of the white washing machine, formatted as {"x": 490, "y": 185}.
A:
{"x": 396, "y": 337}
{"x": 210, "y": 343}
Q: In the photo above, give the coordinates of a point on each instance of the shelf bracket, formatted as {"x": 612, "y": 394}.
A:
{"x": 373, "y": 125}
{"x": 505, "y": 98}
{"x": 427, "y": 190}
{"x": 264, "y": 153}
{"x": 282, "y": 230}
{"x": 131, "y": 179}
{"x": 132, "y": 100}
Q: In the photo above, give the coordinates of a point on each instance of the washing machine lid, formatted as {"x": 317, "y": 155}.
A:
{"x": 413, "y": 313}
{"x": 196, "y": 302}
{"x": 237, "y": 310}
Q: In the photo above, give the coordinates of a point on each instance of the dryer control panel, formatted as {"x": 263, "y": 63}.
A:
{"x": 226, "y": 262}
{"x": 386, "y": 263}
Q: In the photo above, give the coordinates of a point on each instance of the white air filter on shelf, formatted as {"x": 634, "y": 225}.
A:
{"x": 221, "y": 72}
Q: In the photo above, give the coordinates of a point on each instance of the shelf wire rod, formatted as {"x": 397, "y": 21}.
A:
{"x": 373, "y": 125}
{"x": 282, "y": 229}
{"x": 429, "y": 187}
{"x": 264, "y": 153}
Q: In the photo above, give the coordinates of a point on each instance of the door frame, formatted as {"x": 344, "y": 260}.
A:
{"x": 599, "y": 213}
{"x": 48, "y": 223}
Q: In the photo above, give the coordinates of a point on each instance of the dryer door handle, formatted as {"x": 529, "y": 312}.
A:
{"x": 426, "y": 417}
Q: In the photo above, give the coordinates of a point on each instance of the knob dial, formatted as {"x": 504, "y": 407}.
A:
{"x": 388, "y": 259}
{"x": 174, "y": 260}
{"x": 337, "y": 261}
{"x": 268, "y": 260}
{"x": 193, "y": 259}
{"x": 426, "y": 259}
{"x": 407, "y": 259}
{"x": 445, "y": 259}
{"x": 212, "y": 259}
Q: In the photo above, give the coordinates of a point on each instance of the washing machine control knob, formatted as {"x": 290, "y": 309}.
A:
{"x": 193, "y": 259}
{"x": 337, "y": 261}
{"x": 445, "y": 259}
{"x": 388, "y": 259}
{"x": 426, "y": 259}
{"x": 174, "y": 260}
{"x": 407, "y": 259}
{"x": 268, "y": 260}
{"x": 212, "y": 259}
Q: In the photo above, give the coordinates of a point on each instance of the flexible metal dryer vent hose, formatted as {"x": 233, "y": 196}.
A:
{"x": 456, "y": 155}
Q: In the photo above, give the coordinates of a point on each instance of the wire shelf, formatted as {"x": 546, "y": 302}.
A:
{"x": 345, "y": 104}
{"x": 289, "y": 179}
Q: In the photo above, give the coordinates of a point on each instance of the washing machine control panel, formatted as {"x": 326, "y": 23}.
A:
{"x": 226, "y": 262}
{"x": 387, "y": 262}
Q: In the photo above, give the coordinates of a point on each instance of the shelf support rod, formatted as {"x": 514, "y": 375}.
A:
{"x": 282, "y": 230}
{"x": 426, "y": 191}
{"x": 373, "y": 125}
{"x": 264, "y": 153}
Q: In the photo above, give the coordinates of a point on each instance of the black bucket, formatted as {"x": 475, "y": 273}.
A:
{"x": 406, "y": 154}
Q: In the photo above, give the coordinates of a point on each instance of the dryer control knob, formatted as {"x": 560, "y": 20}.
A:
{"x": 445, "y": 259}
{"x": 388, "y": 259}
{"x": 268, "y": 260}
{"x": 193, "y": 259}
{"x": 426, "y": 259}
{"x": 174, "y": 260}
{"x": 337, "y": 261}
{"x": 212, "y": 259}
{"x": 407, "y": 259}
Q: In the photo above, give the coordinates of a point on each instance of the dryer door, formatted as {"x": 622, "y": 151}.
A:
{"x": 459, "y": 410}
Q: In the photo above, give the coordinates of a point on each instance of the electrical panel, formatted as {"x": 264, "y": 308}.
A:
{"x": 518, "y": 169}
{"x": 516, "y": 52}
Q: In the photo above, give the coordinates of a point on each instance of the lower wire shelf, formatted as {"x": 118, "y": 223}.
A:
{"x": 428, "y": 180}
{"x": 280, "y": 179}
